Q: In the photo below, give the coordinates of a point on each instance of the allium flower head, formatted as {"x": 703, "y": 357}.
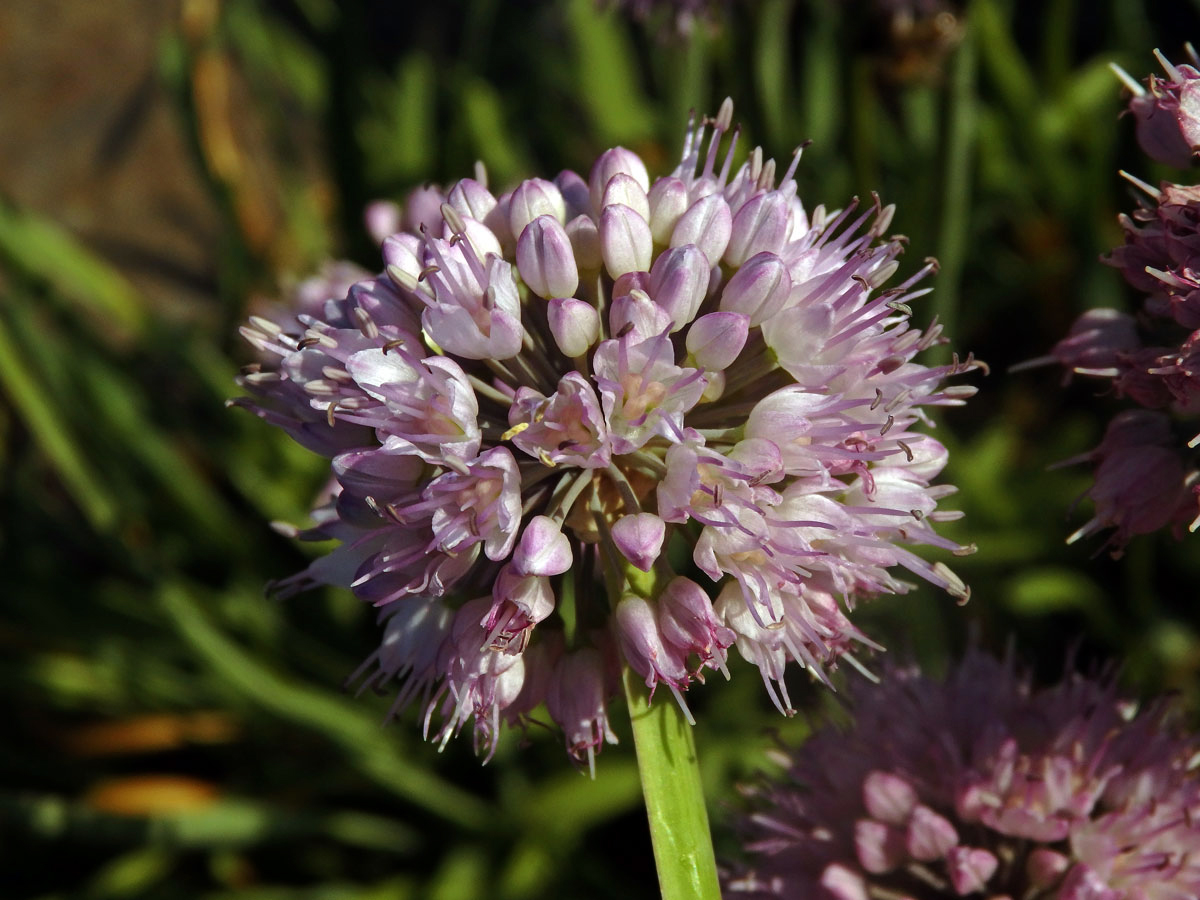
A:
{"x": 981, "y": 786}
{"x": 546, "y": 389}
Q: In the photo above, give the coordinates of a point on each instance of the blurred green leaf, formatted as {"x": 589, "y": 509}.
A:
{"x": 19, "y": 376}
{"x": 399, "y": 136}
{"x": 131, "y": 874}
{"x": 45, "y": 251}
{"x": 605, "y": 69}
{"x": 1044, "y": 590}
{"x": 230, "y": 823}
{"x": 772, "y": 68}
{"x": 276, "y": 53}
{"x": 495, "y": 142}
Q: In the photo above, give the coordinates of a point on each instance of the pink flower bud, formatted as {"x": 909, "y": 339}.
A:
{"x": 930, "y": 836}
{"x": 625, "y": 241}
{"x": 879, "y": 847}
{"x": 643, "y": 647}
{"x": 617, "y": 161}
{"x": 686, "y": 621}
{"x": 708, "y": 224}
{"x": 668, "y": 201}
{"x": 574, "y": 192}
{"x": 574, "y": 324}
{"x": 400, "y": 253}
{"x": 637, "y": 315}
{"x": 639, "y": 537}
{"x": 423, "y": 209}
{"x": 543, "y": 549}
{"x": 843, "y": 883}
{"x": 585, "y": 243}
{"x": 714, "y": 341}
{"x": 630, "y": 282}
{"x": 970, "y": 868}
{"x": 679, "y": 282}
{"x": 545, "y": 259}
{"x": 761, "y": 225}
{"x": 888, "y": 798}
{"x": 533, "y": 198}
{"x": 623, "y": 189}
{"x": 472, "y": 199}
{"x": 759, "y": 289}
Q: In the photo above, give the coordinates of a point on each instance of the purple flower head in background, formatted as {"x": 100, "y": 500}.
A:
{"x": 1168, "y": 111}
{"x": 980, "y": 785}
{"x": 548, "y": 390}
{"x": 1147, "y": 473}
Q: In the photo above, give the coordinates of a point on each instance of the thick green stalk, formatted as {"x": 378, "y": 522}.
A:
{"x": 670, "y": 773}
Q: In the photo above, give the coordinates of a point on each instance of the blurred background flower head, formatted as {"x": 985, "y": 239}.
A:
{"x": 980, "y": 784}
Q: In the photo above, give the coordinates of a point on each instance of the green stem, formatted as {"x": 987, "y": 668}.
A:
{"x": 670, "y": 774}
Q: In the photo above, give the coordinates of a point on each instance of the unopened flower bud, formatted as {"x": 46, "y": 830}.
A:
{"x": 543, "y": 549}
{"x": 423, "y": 209}
{"x": 625, "y": 190}
{"x": 545, "y": 259}
{"x": 930, "y": 836}
{"x": 708, "y": 224}
{"x": 970, "y": 868}
{"x": 635, "y": 313}
{"x": 585, "y": 243}
{"x": 472, "y": 199}
{"x": 888, "y": 798}
{"x": 612, "y": 162}
{"x": 639, "y": 537}
{"x": 625, "y": 241}
{"x": 574, "y": 192}
{"x": 714, "y": 341}
{"x": 668, "y": 201}
{"x": 758, "y": 289}
{"x": 843, "y": 883}
{"x": 574, "y": 324}
{"x": 879, "y": 847}
{"x": 761, "y": 225}
{"x": 679, "y": 282}
{"x": 532, "y": 198}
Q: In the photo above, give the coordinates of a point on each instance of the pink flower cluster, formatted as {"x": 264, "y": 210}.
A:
{"x": 1145, "y": 477}
{"x": 980, "y": 785}
{"x": 551, "y": 397}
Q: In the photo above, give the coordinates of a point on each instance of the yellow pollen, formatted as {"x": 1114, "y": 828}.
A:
{"x": 514, "y": 431}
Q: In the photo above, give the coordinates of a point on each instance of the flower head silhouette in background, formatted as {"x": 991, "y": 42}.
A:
{"x": 980, "y": 785}
{"x": 1145, "y": 478}
{"x": 601, "y": 422}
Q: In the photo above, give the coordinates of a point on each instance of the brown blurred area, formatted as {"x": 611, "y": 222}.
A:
{"x": 91, "y": 138}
